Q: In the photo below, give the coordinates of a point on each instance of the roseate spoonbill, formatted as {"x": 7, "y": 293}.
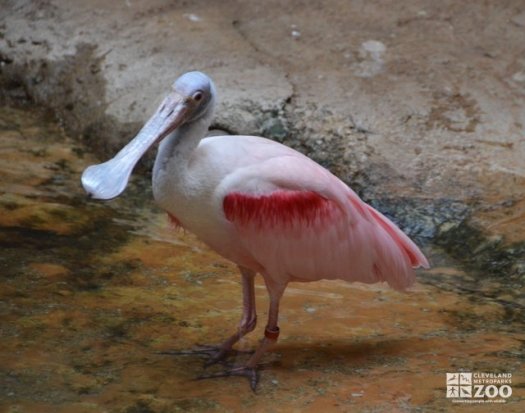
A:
{"x": 260, "y": 204}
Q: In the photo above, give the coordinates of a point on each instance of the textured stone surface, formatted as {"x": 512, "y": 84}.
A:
{"x": 419, "y": 105}
{"x": 91, "y": 292}
{"x": 436, "y": 88}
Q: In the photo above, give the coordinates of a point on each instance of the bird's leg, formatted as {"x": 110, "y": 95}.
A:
{"x": 271, "y": 334}
{"x": 248, "y": 320}
{"x": 247, "y": 324}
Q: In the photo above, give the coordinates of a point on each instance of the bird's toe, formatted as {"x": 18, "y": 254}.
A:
{"x": 214, "y": 354}
{"x": 251, "y": 373}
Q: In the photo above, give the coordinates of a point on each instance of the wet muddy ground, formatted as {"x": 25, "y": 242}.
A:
{"x": 91, "y": 292}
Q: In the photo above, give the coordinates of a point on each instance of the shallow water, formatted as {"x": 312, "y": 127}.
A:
{"x": 91, "y": 292}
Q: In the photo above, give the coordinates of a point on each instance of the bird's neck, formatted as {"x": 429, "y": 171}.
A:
{"x": 186, "y": 138}
{"x": 175, "y": 150}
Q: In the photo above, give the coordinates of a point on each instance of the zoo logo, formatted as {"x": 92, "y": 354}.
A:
{"x": 479, "y": 387}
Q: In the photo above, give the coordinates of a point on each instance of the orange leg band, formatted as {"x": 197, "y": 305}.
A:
{"x": 271, "y": 334}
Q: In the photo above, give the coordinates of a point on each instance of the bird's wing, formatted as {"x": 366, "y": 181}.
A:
{"x": 301, "y": 222}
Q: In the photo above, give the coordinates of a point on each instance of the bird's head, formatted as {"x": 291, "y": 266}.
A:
{"x": 197, "y": 92}
{"x": 191, "y": 100}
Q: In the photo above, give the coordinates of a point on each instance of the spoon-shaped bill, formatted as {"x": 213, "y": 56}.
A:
{"x": 109, "y": 179}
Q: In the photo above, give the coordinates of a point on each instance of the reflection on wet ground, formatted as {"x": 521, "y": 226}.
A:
{"x": 91, "y": 292}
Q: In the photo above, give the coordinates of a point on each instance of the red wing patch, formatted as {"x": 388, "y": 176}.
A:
{"x": 280, "y": 208}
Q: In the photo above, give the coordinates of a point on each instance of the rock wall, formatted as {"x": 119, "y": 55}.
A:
{"x": 418, "y": 105}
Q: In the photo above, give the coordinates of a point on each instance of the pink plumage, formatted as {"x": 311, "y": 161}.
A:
{"x": 304, "y": 236}
{"x": 174, "y": 221}
{"x": 260, "y": 204}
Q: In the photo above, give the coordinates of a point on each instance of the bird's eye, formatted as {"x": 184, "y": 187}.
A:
{"x": 197, "y": 96}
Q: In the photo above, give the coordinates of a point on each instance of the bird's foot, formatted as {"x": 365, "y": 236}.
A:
{"x": 250, "y": 373}
{"x": 215, "y": 354}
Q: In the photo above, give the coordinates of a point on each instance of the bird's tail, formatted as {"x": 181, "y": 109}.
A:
{"x": 398, "y": 254}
